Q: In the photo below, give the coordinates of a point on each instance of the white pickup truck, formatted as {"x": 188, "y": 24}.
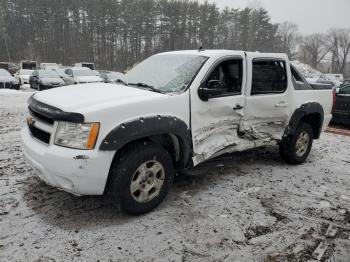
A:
{"x": 171, "y": 112}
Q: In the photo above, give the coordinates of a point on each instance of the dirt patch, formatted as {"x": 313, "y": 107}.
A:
{"x": 256, "y": 231}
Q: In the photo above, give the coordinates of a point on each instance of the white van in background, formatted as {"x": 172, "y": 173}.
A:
{"x": 31, "y": 65}
{"x": 49, "y": 66}
{"x": 85, "y": 64}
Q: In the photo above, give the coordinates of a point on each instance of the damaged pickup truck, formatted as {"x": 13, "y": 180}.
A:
{"x": 171, "y": 112}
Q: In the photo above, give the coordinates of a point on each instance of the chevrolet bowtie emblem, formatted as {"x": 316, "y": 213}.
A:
{"x": 30, "y": 120}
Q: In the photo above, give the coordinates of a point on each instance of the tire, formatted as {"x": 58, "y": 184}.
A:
{"x": 38, "y": 87}
{"x": 136, "y": 174}
{"x": 296, "y": 148}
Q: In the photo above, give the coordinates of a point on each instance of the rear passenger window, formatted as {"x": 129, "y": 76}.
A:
{"x": 269, "y": 77}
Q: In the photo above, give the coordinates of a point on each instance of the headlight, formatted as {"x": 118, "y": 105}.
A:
{"x": 78, "y": 136}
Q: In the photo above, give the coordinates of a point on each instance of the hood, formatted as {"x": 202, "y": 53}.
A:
{"x": 5, "y": 79}
{"x": 76, "y": 98}
{"x": 88, "y": 79}
{"x": 51, "y": 80}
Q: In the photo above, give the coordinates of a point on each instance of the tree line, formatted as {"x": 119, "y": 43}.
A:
{"x": 116, "y": 34}
{"x": 327, "y": 52}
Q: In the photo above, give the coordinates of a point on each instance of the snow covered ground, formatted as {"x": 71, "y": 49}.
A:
{"x": 243, "y": 207}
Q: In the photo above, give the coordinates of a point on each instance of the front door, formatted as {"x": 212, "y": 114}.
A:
{"x": 215, "y": 122}
{"x": 267, "y": 109}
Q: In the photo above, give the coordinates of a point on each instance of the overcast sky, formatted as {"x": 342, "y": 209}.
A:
{"x": 311, "y": 15}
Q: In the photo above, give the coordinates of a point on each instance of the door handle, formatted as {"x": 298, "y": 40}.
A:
{"x": 238, "y": 107}
{"x": 281, "y": 104}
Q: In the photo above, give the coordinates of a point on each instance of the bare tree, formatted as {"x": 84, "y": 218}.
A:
{"x": 339, "y": 45}
{"x": 290, "y": 38}
{"x": 313, "y": 49}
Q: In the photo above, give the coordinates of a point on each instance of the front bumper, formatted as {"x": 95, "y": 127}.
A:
{"x": 9, "y": 85}
{"x": 81, "y": 172}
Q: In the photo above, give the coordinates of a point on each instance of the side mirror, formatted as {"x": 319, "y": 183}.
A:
{"x": 212, "y": 89}
{"x": 337, "y": 90}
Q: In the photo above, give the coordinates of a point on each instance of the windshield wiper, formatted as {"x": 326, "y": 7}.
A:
{"x": 143, "y": 85}
{"x": 121, "y": 81}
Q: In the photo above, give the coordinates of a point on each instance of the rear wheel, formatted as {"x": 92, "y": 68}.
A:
{"x": 296, "y": 148}
{"x": 141, "y": 177}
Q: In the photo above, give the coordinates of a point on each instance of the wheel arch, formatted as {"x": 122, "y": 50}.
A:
{"x": 311, "y": 113}
{"x": 167, "y": 131}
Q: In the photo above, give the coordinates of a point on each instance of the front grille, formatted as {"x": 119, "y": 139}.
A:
{"x": 41, "y": 117}
{"x": 5, "y": 85}
{"x": 39, "y": 134}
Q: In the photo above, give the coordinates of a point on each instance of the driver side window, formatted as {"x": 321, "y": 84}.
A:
{"x": 229, "y": 73}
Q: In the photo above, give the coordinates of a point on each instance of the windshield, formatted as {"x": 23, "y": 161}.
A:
{"x": 48, "y": 74}
{"x": 60, "y": 72}
{"x": 26, "y": 72}
{"x": 3, "y": 72}
{"x": 85, "y": 73}
{"x": 345, "y": 83}
{"x": 166, "y": 72}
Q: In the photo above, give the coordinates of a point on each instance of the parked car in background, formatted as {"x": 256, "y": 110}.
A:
{"x": 45, "y": 79}
{"x": 334, "y": 77}
{"x": 85, "y": 64}
{"x": 23, "y": 76}
{"x": 48, "y": 66}
{"x": 333, "y": 84}
{"x": 110, "y": 76}
{"x": 81, "y": 75}
{"x": 174, "y": 111}
{"x": 341, "y": 110}
{"x": 7, "y": 80}
{"x": 61, "y": 73}
{"x": 346, "y": 82}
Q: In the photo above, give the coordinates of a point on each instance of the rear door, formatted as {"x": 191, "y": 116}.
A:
{"x": 267, "y": 108}
{"x": 215, "y": 121}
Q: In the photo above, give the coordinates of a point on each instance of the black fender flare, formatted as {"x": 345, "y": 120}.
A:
{"x": 301, "y": 112}
{"x": 145, "y": 127}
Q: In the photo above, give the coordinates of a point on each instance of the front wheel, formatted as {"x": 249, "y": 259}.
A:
{"x": 141, "y": 177}
{"x": 295, "y": 149}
